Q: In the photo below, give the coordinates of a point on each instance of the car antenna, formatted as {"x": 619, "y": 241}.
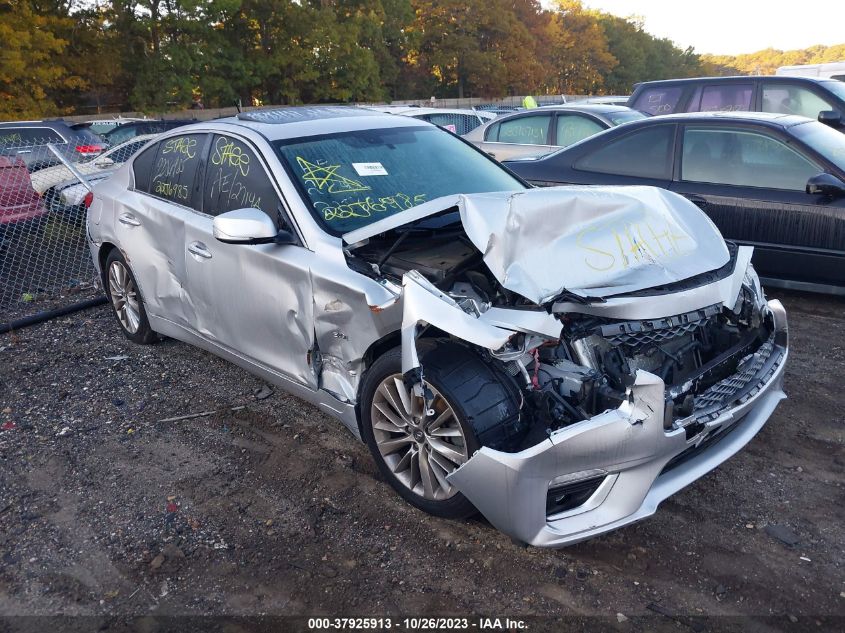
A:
{"x": 238, "y": 106}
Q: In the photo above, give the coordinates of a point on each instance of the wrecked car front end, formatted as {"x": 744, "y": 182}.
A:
{"x": 643, "y": 349}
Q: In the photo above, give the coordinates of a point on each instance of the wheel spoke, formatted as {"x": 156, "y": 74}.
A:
{"x": 440, "y": 419}
{"x": 392, "y": 418}
{"x": 388, "y": 447}
{"x": 446, "y": 432}
{"x": 447, "y": 450}
{"x": 428, "y": 480}
{"x": 404, "y": 463}
{"x": 403, "y": 395}
{"x": 440, "y": 472}
{"x": 384, "y": 390}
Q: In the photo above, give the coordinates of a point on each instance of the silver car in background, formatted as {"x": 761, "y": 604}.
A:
{"x": 543, "y": 130}
{"x": 559, "y": 359}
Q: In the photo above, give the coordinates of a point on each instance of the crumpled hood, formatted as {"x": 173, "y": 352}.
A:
{"x": 590, "y": 241}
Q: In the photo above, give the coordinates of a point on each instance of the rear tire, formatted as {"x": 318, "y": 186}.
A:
{"x": 473, "y": 405}
{"x": 126, "y": 301}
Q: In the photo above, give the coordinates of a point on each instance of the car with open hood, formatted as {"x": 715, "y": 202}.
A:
{"x": 560, "y": 360}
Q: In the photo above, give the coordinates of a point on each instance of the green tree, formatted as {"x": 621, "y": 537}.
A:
{"x": 31, "y": 61}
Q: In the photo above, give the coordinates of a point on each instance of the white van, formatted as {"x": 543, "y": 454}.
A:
{"x": 832, "y": 70}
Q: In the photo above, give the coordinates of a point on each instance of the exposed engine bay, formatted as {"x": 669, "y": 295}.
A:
{"x": 588, "y": 367}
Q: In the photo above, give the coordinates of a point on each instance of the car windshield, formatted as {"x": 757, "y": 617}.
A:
{"x": 824, "y": 139}
{"x": 618, "y": 118}
{"x": 352, "y": 179}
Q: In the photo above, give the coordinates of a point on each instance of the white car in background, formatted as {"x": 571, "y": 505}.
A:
{"x": 456, "y": 120}
{"x": 543, "y": 130}
{"x": 62, "y": 190}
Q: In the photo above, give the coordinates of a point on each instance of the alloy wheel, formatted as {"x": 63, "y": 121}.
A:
{"x": 421, "y": 447}
{"x": 124, "y": 297}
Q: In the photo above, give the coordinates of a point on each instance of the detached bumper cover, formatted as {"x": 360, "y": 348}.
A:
{"x": 641, "y": 462}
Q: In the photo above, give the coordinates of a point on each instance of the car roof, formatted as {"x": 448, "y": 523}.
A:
{"x": 769, "y": 118}
{"x": 56, "y": 123}
{"x": 302, "y": 121}
{"x": 598, "y": 108}
{"x": 731, "y": 79}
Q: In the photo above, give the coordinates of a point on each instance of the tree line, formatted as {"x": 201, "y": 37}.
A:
{"x": 83, "y": 56}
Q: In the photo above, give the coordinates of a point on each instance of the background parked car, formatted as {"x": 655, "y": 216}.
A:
{"x": 63, "y": 192}
{"x": 772, "y": 181}
{"x": 101, "y": 126}
{"x": 19, "y": 202}
{"x": 28, "y": 139}
{"x": 543, "y": 130}
{"x": 123, "y": 133}
{"x": 459, "y": 121}
{"x": 804, "y": 96}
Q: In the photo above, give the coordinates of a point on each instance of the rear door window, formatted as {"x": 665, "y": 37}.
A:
{"x": 235, "y": 178}
{"x": 743, "y": 158}
{"x": 646, "y": 153}
{"x": 659, "y": 100}
{"x": 174, "y": 176}
{"x": 525, "y": 130}
{"x": 792, "y": 99}
{"x": 722, "y": 98}
{"x": 572, "y": 128}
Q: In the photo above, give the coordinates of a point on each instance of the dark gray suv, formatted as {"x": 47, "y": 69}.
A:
{"x": 822, "y": 99}
{"x": 27, "y": 140}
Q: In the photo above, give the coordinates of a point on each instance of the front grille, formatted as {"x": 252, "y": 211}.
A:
{"x": 724, "y": 390}
{"x": 641, "y": 335}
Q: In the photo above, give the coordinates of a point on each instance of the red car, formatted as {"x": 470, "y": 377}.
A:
{"x": 18, "y": 200}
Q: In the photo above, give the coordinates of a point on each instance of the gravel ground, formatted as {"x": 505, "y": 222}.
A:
{"x": 267, "y": 506}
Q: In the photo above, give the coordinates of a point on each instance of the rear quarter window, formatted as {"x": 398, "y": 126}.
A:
{"x": 174, "y": 175}
{"x": 142, "y": 168}
{"x": 659, "y": 100}
{"x": 646, "y": 153}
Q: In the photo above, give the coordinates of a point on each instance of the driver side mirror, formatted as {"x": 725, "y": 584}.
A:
{"x": 826, "y": 184}
{"x": 249, "y": 226}
{"x": 831, "y": 118}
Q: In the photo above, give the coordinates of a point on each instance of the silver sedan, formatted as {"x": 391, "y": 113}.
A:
{"x": 560, "y": 360}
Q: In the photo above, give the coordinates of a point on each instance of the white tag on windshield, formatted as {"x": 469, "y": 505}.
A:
{"x": 370, "y": 169}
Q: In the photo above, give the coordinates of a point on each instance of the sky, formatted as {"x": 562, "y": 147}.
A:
{"x": 731, "y": 27}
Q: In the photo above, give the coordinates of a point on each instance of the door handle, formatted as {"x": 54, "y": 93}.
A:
{"x": 199, "y": 249}
{"x": 491, "y": 154}
{"x": 128, "y": 219}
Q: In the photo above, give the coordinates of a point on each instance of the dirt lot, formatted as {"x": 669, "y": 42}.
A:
{"x": 275, "y": 509}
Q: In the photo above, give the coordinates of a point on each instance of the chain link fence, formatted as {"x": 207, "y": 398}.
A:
{"x": 44, "y": 258}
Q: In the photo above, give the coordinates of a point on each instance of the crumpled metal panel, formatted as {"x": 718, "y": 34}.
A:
{"x": 591, "y": 241}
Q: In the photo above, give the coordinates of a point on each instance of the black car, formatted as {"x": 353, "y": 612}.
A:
{"x": 775, "y": 182}
{"x": 804, "y": 96}
{"x": 123, "y": 133}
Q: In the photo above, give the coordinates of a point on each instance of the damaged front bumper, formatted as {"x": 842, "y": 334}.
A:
{"x": 618, "y": 466}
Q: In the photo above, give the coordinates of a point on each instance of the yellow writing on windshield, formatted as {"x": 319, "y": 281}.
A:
{"x": 367, "y": 207}
{"x": 326, "y": 178}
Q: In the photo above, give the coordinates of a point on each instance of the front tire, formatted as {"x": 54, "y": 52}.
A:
{"x": 415, "y": 450}
{"x": 126, "y": 301}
